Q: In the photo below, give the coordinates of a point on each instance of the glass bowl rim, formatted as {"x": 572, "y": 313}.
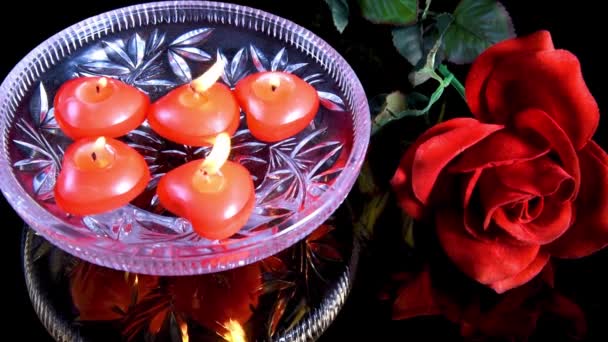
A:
{"x": 76, "y": 36}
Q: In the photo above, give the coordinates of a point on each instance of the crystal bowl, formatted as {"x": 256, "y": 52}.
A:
{"x": 299, "y": 181}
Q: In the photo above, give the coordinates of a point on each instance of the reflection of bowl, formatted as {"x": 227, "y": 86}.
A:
{"x": 299, "y": 181}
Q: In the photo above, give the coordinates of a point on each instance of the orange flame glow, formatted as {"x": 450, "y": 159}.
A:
{"x": 206, "y": 80}
{"x": 183, "y": 327}
{"x": 234, "y": 332}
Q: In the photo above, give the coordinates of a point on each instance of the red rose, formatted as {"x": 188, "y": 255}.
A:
{"x": 513, "y": 316}
{"x": 521, "y": 182}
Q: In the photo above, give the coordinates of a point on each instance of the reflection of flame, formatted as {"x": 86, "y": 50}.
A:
{"x": 183, "y": 327}
{"x": 136, "y": 281}
{"x": 234, "y": 332}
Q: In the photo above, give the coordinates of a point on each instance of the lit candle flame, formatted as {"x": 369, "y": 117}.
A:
{"x": 183, "y": 327}
{"x": 218, "y": 155}
{"x": 99, "y": 155}
{"x": 202, "y": 83}
{"x": 234, "y": 332}
{"x": 102, "y": 83}
{"x": 99, "y": 143}
{"x": 274, "y": 82}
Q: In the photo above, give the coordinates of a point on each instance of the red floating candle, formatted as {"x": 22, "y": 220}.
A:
{"x": 193, "y": 114}
{"x": 217, "y": 196}
{"x": 98, "y": 175}
{"x": 99, "y": 106}
{"x": 220, "y": 300}
{"x": 278, "y": 105}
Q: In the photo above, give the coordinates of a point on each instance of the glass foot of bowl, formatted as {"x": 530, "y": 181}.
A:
{"x": 292, "y": 296}
{"x": 299, "y": 181}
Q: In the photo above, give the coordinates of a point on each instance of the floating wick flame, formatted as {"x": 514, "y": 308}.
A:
{"x": 218, "y": 155}
{"x": 101, "y": 83}
{"x": 206, "y": 80}
{"x": 183, "y": 327}
{"x": 234, "y": 332}
{"x": 99, "y": 153}
{"x": 274, "y": 82}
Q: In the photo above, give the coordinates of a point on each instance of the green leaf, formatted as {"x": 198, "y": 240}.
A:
{"x": 443, "y": 22}
{"x": 408, "y": 230}
{"x": 408, "y": 41}
{"x": 443, "y": 71}
{"x": 339, "y": 12}
{"x": 398, "y": 12}
{"x": 372, "y": 210}
{"x": 434, "y": 98}
{"x": 418, "y": 77}
{"x": 477, "y": 25}
{"x": 427, "y": 71}
{"x": 365, "y": 181}
{"x": 427, "y": 6}
{"x": 416, "y": 99}
{"x": 394, "y": 103}
{"x": 414, "y": 45}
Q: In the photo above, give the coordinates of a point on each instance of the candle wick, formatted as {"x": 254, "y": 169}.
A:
{"x": 94, "y": 156}
{"x": 101, "y": 83}
{"x": 274, "y": 83}
{"x": 206, "y": 176}
{"x": 197, "y": 95}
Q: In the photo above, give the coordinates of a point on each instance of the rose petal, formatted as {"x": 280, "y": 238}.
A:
{"x": 538, "y": 177}
{"x": 486, "y": 62}
{"x": 434, "y": 154}
{"x": 571, "y": 314}
{"x": 589, "y": 232}
{"x": 522, "y": 277}
{"x": 487, "y": 261}
{"x": 469, "y": 184}
{"x": 512, "y": 226}
{"x": 500, "y": 148}
{"x": 547, "y": 275}
{"x": 525, "y": 212}
{"x": 514, "y": 316}
{"x": 403, "y": 189}
{"x": 474, "y": 222}
{"x": 416, "y": 298}
{"x": 555, "y": 219}
{"x": 533, "y": 122}
{"x": 550, "y": 81}
{"x": 494, "y": 194}
{"x": 549, "y": 225}
{"x": 533, "y": 208}
{"x": 402, "y": 180}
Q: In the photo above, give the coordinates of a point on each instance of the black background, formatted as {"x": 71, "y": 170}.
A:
{"x": 578, "y": 26}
